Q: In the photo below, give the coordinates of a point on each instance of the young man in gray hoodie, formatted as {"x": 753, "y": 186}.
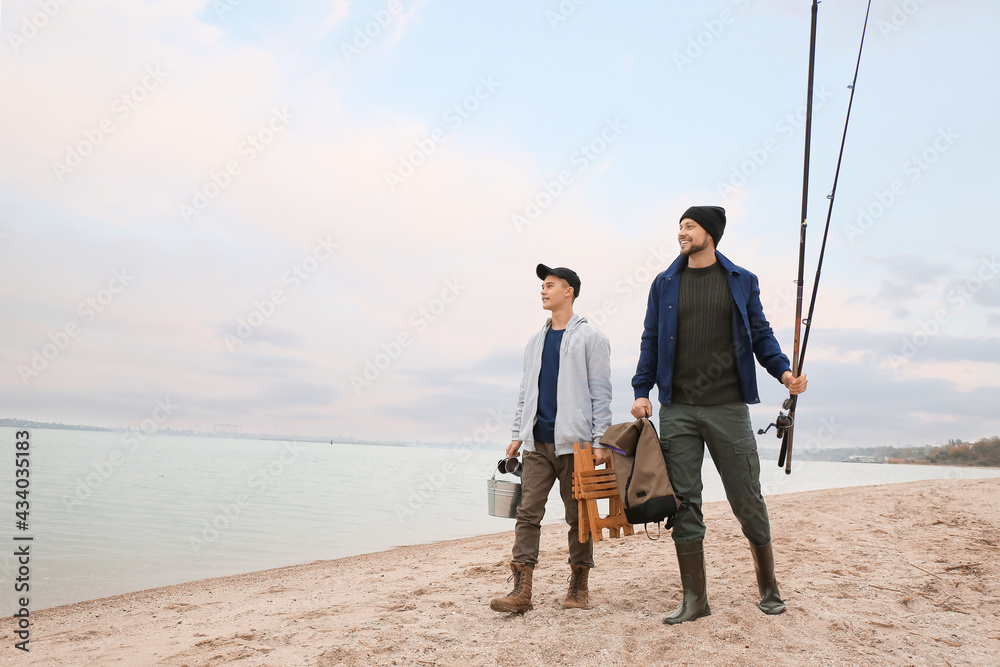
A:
{"x": 565, "y": 398}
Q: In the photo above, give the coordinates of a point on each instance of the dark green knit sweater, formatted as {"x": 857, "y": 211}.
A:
{"x": 704, "y": 363}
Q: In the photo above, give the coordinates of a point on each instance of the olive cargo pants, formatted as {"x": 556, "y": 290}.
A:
{"x": 726, "y": 430}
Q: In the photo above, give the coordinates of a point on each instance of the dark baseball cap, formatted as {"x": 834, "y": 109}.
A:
{"x": 569, "y": 275}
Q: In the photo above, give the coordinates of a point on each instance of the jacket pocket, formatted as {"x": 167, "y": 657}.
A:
{"x": 583, "y": 426}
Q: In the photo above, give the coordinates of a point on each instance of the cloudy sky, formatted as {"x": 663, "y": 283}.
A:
{"x": 322, "y": 217}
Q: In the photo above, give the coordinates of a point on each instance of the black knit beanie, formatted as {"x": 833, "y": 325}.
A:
{"x": 711, "y": 218}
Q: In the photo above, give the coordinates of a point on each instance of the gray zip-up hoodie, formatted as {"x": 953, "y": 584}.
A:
{"x": 583, "y": 392}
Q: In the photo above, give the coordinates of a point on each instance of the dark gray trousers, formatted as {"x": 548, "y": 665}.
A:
{"x": 726, "y": 429}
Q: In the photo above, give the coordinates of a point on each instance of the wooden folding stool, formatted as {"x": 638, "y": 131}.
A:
{"x": 589, "y": 485}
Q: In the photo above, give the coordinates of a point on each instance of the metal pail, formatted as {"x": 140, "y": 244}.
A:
{"x": 503, "y": 497}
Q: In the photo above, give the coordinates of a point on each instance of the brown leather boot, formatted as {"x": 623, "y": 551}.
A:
{"x": 691, "y": 560}
{"x": 763, "y": 564}
{"x": 578, "y": 596}
{"x": 518, "y": 600}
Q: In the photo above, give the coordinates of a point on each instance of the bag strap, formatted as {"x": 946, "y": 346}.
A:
{"x": 646, "y": 528}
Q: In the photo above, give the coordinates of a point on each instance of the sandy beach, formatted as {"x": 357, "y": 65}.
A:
{"x": 903, "y": 574}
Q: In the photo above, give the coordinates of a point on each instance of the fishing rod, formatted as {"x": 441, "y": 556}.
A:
{"x": 833, "y": 193}
{"x": 785, "y": 422}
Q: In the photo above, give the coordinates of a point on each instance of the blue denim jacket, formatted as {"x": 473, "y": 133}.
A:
{"x": 752, "y": 335}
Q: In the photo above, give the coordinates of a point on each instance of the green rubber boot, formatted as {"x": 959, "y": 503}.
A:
{"x": 691, "y": 560}
{"x": 763, "y": 563}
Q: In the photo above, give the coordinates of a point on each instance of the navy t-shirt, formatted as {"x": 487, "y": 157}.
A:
{"x": 548, "y": 380}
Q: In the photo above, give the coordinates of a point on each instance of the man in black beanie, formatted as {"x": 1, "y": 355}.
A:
{"x": 704, "y": 326}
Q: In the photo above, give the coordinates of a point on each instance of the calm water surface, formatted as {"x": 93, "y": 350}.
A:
{"x": 112, "y": 513}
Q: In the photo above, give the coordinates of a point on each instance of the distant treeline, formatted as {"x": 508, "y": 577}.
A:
{"x": 27, "y": 423}
{"x": 984, "y": 452}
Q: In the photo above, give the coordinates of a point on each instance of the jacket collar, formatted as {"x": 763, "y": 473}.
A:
{"x": 680, "y": 264}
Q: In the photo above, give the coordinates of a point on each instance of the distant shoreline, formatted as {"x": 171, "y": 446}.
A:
{"x": 832, "y": 455}
{"x": 190, "y": 433}
{"x": 943, "y": 465}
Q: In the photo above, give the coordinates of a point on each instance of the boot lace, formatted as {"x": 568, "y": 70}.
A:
{"x": 517, "y": 578}
{"x": 574, "y": 584}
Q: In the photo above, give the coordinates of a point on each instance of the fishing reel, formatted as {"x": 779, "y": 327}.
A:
{"x": 783, "y": 422}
